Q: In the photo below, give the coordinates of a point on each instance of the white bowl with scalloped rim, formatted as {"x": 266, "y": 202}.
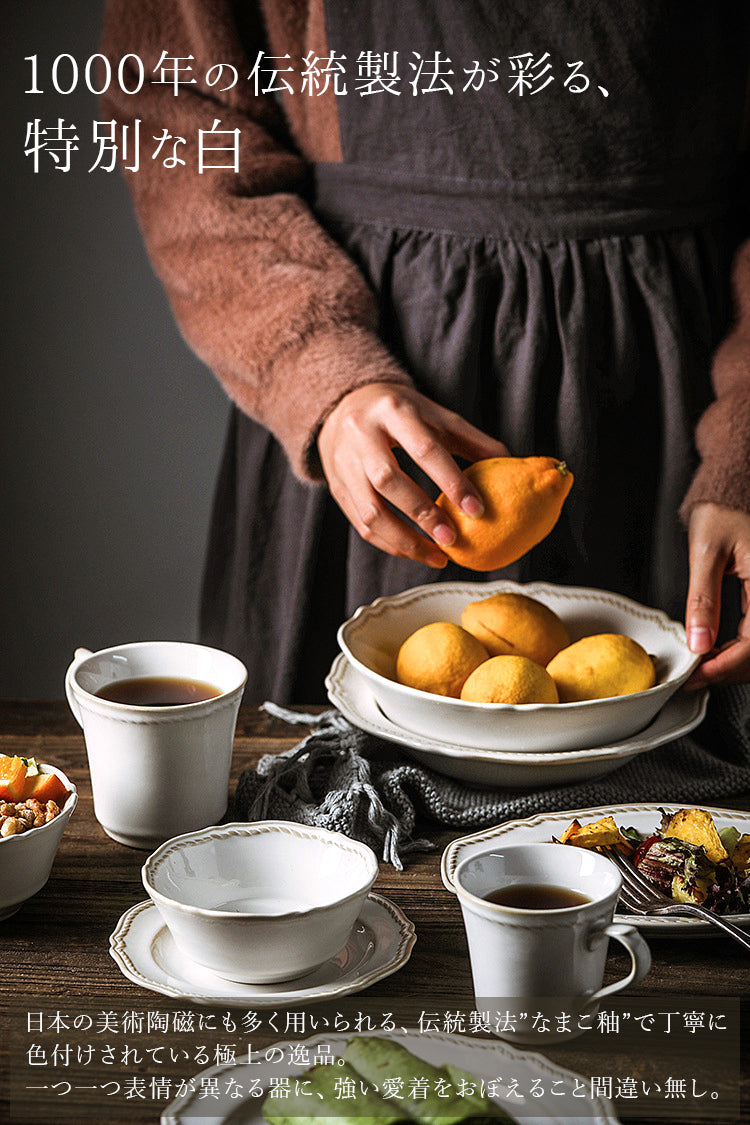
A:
{"x": 261, "y": 902}
{"x": 372, "y": 637}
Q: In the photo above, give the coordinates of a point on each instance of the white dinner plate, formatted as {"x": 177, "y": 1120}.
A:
{"x": 350, "y": 692}
{"x": 380, "y": 943}
{"x": 645, "y": 818}
{"x": 553, "y": 1104}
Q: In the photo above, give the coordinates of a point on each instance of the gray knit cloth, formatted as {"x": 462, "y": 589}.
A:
{"x": 341, "y": 778}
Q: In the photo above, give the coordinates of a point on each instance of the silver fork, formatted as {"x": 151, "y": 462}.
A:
{"x": 642, "y": 897}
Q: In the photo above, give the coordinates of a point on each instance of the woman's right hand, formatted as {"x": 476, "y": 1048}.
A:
{"x": 356, "y": 444}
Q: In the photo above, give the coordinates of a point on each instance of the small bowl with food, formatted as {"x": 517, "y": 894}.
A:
{"x": 260, "y": 902}
{"x": 517, "y": 667}
{"x": 36, "y": 803}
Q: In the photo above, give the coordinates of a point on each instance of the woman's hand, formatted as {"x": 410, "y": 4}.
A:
{"x": 719, "y": 544}
{"x": 356, "y": 444}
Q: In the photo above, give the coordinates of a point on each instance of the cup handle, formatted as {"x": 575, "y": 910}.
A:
{"x": 640, "y": 958}
{"x": 79, "y": 655}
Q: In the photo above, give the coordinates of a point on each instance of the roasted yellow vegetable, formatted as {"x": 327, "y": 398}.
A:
{"x": 602, "y": 833}
{"x": 696, "y": 826}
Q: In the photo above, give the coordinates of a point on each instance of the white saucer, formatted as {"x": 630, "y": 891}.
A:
{"x": 380, "y": 943}
{"x": 350, "y": 692}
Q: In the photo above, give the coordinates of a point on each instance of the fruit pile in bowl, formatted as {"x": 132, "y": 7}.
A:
{"x": 511, "y": 648}
{"x": 36, "y": 803}
{"x": 505, "y": 666}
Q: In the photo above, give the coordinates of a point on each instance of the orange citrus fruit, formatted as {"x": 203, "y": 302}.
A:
{"x": 438, "y": 658}
{"x": 509, "y": 679}
{"x": 523, "y": 498}
{"x": 513, "y": 624}
{"x": 600, "y": 666}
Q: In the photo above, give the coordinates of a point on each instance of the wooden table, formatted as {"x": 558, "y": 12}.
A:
{"x": 54, "y": 957}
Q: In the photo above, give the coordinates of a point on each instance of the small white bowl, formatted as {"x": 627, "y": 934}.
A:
{"x": 261, "y": 902}
{"x": 26, "y": 859}
{"x": 372, "y": 637}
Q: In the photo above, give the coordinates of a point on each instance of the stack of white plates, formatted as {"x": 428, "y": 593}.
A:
{"x": 350, "y": 693}
{"x": 513, "y": 746}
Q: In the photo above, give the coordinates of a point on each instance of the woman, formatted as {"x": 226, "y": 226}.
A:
{"x": 452, "y": 230}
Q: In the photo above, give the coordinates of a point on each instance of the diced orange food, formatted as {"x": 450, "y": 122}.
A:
{"x": 18, "y": 784}
{"x": 12, "y": 778}
{"x": 45, "y": 787}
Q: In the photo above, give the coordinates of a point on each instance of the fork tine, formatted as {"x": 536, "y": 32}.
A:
{"x": 627, "y": 891}
{"x": 632, "y": 901}
{"x": 631, "y": 877}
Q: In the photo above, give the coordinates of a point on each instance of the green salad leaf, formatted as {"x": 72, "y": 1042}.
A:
{"x": 374, "y": 1069}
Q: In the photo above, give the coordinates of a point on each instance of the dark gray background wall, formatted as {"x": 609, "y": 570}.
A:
{"x": 110, "y": 429}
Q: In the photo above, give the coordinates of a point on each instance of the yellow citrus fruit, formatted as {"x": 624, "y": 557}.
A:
{"x": 600, "y": 666}
{"x": 510, "y": 624}
{"x": 523, "y": 498}
{"x": 438, "y": 658}
{"x": 510, "y": 679}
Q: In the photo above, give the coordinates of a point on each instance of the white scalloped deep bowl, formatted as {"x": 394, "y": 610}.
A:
{"x": 372, "y": 637}
{"x": 26, "y": 859}
{"x": 261, "y": 902}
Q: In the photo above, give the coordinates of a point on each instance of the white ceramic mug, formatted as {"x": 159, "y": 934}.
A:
{"x": 543, "y": 960}
{"x": 157, "y": 771}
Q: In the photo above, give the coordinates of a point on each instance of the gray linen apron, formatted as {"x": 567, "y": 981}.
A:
{"x": 551, "y": 262}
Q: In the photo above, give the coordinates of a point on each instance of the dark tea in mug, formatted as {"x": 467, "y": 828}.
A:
{"x": 536, "y": 896}
{"x": 158, "y": 691}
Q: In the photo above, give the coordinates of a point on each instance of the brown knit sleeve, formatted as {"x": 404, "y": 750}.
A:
{"x": 269, "y": 302}
{"x": 723, "y": 433}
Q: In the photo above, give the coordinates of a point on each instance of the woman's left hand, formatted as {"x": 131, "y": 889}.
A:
{"x": 719, "y": 544}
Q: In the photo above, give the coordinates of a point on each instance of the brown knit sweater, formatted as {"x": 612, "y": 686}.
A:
{"x": 260, "y": 291}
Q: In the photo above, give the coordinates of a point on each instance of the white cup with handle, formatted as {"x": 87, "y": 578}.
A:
{"x": 538, "y": 920}
{"x": 157, "y": 769}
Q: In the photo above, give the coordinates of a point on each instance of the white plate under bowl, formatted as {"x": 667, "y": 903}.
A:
{"x": 372, "y": 637}
{"x": 554, "y": 1102}
{"x": 352, "y": 694}
{"x": 645, "y": 818}
{"x": 380, "y": 943}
